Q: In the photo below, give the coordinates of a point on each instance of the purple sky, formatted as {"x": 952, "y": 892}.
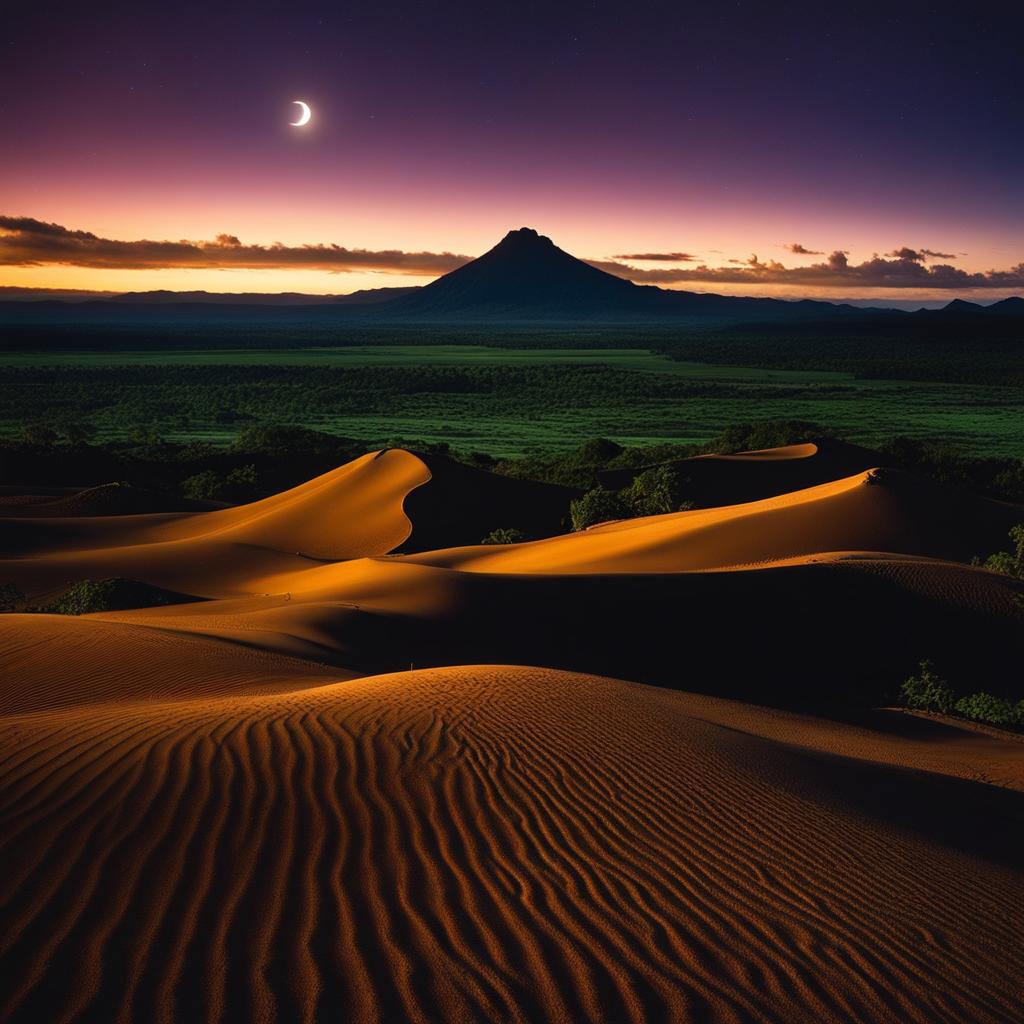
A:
{"x": 713, "y": 131}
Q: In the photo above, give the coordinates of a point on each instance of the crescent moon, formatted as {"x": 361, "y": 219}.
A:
{"x": 304, "y": 116}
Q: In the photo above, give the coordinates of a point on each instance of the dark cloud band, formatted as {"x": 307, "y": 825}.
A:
{"x": 28, "y": 242}
{"x": 659, "y": 257}
{"x": 906, "y": 268}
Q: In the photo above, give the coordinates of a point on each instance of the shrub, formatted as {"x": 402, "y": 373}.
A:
{"x": 746, "y": 437}
{"x": 241, "y": 484}
{"x": 927, "y": 691}
{"x": 1004, "y": 562}
{"x": 10, "y": 597}
{"x": 983, "y": 707}
{"x": 113, "y": 594}
{"x": 279, "y": 437}
{"x": 205, "y": 486}
{"x": 77, "y": 433}
{"x": 38, "y": 434}
{"x": 598, "y": 451}
{"x": 597, "y": 506}
{"x": 656, "y": 491}
{"x": 505, "y": 535}
{"x": 1011, "y": 563}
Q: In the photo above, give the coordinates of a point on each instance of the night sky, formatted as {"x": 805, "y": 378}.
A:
{"x": 705, "y": 134}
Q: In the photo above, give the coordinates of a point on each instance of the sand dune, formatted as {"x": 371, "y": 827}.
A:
{"x": 876, "y": 511}
{"x": 494, "y": 844}
{"x": 223, "y": 810}
{"x": 351, "y": 512}
{"x": 844, "y": 565}
{"x": 373, "y": 505}
{"x": 364, "y": 508}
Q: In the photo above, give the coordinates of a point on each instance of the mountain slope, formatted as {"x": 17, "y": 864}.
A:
{"x": 526, "y": 276}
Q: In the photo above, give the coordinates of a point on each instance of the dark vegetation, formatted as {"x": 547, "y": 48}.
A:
{"x": 265, "y": 458}
{"x": 927, "y": 691}
{"x": 1010, "y": 563}
{"x": 653, "y": 492}
{"x": 505, "y": 535}
{"x": 72, "y": 402}
{"x": 953, "y": 350}
{"x": 108, "y": 595}
{"x": 261, "y": 461}
{"x": 953, "y": 353}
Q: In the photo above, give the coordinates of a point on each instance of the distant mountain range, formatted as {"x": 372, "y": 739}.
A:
{"x": 163, "y": 297}
{"x": 525, "y": 277}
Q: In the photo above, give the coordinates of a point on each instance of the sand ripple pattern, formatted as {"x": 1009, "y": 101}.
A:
{"x": 472, "y": 844}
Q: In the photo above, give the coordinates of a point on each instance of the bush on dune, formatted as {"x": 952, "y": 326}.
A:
{"x": 657, "y": 491}
{"x": 238, "y": 485}
{"x": 752, "y": 437}
{"x": 111, "y": 595}
{"x": 1010, "y": 563}
{"x": 927, "y": 691}
{"x": 505, "y": 535}
{"x": 597, "y": 506}
{"x": 983, "y": 707}
{"x": 10, "y": 597}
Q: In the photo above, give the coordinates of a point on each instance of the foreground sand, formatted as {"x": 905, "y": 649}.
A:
{"x": 490, "y": 843}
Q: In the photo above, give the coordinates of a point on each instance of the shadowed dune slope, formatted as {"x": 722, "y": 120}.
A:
{"x": 814, "y": 630}
{"x": 464, "y": 503}
{"x": 493, "y": 843}
{"x": 877, "y": 511}
{"x": 55, "y": 661}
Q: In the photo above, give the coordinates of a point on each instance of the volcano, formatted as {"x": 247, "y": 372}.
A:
{"x": 527, "y": 277}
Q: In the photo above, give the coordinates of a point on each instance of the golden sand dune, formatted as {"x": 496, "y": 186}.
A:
{"x": 876, "y": 511}
{"x": 369, "y": 506}
{"x": 508, "y": 844}
{"x": 351, "y": 512}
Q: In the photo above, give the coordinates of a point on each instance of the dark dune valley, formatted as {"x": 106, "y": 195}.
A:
{"x": 511, "y": 513}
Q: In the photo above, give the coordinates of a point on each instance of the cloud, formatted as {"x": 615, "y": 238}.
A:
{"x": 920, "y": 255}
{"x": 905, "y": 268}
{"x": 799, "y": 250}
{"x": 659, "y": 257}
{"x": 28, "y": 242}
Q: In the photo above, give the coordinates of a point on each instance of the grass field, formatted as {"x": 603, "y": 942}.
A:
{"x": 505, "y": 402}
